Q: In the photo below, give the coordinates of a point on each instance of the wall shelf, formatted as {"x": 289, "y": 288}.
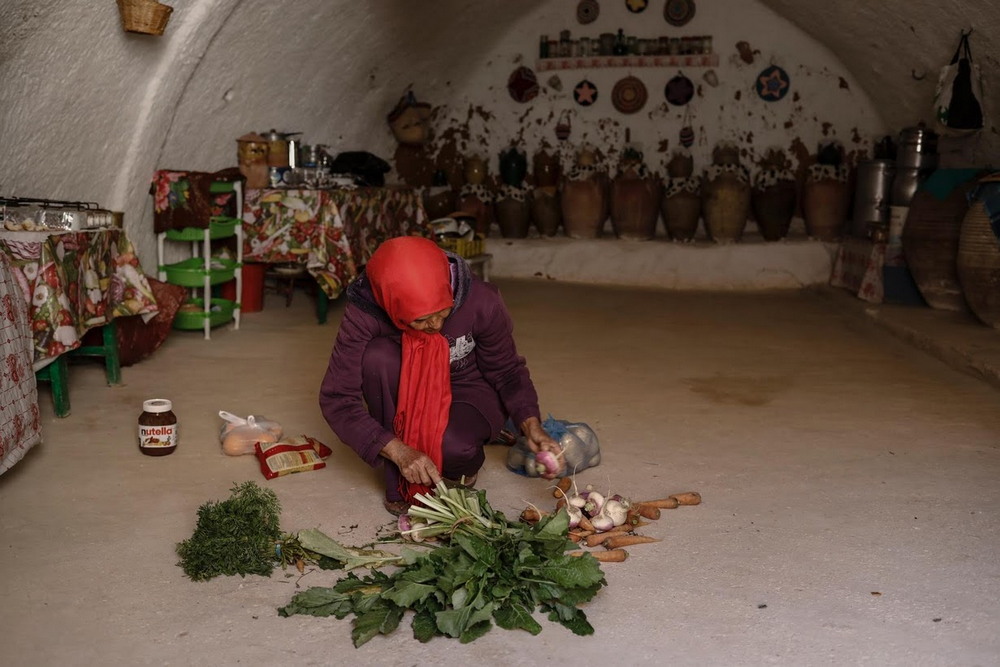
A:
{"x": 597, "y": 62}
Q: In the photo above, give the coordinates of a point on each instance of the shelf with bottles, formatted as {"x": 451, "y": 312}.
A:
{"x": 599, "y": 62}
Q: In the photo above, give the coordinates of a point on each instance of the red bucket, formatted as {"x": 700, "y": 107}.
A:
{"x": 252, "y": 299}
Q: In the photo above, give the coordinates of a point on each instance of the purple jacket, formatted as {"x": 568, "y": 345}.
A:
{"x": 484, "y": 361}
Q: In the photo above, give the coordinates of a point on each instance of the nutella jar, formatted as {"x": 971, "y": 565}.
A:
{"x": 157, "y": 428}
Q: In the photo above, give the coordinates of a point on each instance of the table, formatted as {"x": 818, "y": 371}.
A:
{"x": 73, "y": 282}
{"x": 20, "y": 429}
{"x": 332, "y": 231}
{"x": 858, "y": 267}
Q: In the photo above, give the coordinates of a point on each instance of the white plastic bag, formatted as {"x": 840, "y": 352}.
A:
{"x": 238, "y": 435}
{"x": 580, "y": 449}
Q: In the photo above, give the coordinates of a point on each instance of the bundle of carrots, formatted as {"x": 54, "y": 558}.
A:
{"x": 609, "y": 522}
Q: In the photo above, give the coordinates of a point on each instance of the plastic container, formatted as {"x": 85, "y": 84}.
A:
{"x": 252, "y": 298}
{"x": 221, "y": 311}
{"x": 191, "y": 272}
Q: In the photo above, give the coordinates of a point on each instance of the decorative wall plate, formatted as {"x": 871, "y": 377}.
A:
{"x": 585, "y": 93}
{"x": 629, "y": 95}
{"x": 773, "y": 84}
{"x": 587, "y": 11}
{"x": 522, "y": 85}
{"x": 636, "y": 6}
{"x": 679, "y": 90}
{"x": 678, "y": 12}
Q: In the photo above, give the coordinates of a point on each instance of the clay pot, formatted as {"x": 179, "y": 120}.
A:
{"x": 824, "y": 208}
{"x": 546, "y": 169}
{"x": 584, "y": 206}
{"x": 681, "y": 213}
{"x": 680, "y": 166}
{"x": 252, "y": 150}
{"x": 635, "y": 207}
{"x": 410, "y": 124}
{"x": 439, "y": 201}
{"x": 513, "y": 166}
{"x": 475, "y": 170}
{"x": 773, "y": 208}
{"x": 978, "y": 264}
{"x": 513, "y": 218}
{"x": 726, "y": 154}
{"x": 545, "y": 210}
{"x": 930, "y": 245}
{"x": 725, "y": 206}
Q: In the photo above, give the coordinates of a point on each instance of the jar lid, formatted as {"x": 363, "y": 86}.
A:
{"x": 157, "y": 405}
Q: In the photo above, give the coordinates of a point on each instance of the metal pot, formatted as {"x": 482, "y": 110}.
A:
{"x": 278, "y": 148}
{"x": 871, "y": 195}
{"x": 917, "y": 148}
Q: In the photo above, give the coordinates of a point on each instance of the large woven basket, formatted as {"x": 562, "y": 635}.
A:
{"x": 147, "y": 17}
{"x": 978, "y": 263}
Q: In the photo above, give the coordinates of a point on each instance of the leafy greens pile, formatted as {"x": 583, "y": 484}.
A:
{"x": 483, "y": 570}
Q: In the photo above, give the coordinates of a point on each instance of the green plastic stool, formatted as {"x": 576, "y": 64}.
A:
{"x": 57, "y": 373}
{"x": 107, "y": 349}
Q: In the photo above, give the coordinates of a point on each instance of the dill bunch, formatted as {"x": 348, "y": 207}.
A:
{"x": 234, "y": 536}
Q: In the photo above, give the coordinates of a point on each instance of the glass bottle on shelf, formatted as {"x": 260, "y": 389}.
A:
{"x": 543, "y": 46}
{"x": 620, "y": 48}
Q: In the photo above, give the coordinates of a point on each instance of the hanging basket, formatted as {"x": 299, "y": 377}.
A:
{"x": 147, "y": 17}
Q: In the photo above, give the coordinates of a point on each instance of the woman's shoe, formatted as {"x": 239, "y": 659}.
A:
{"x": 396, "y": 507}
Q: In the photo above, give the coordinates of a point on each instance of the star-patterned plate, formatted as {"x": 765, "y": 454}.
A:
{"x": 522, "y": 84}
{"x": 585, "y": 93}
{"x": 773, "y": 84}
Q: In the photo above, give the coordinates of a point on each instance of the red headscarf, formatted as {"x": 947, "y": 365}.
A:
{"x": 410, "y": 278}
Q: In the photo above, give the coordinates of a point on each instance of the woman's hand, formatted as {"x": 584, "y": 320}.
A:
{"x": 540, "y": 441}
{"x": 416, "y": 468}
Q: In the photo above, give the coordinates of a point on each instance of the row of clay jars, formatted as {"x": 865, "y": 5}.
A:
{"x": 514, "y": 217}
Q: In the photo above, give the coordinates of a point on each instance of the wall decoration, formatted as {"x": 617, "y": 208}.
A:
{"x": 585, "y": 93}
{"x": 522, "y": 85}
{"x": 679, "y": 90}
{"x": 636, "y": 6}
{"x": 563, "y": 126}
{"x": 711, "y": 78}
{"x": 629, "y": 95}
{"x": 587, "y": 11}
{"x": 678, "y": 12}
{"x": 772, "y": 84}
{"x": 687, "y": 131}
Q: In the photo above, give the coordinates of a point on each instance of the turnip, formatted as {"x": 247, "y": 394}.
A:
{"x": 602, "y": 522}
{"x": 575, "y": 515}
{"x": 623, "y": 500}
{"x": 404, "y": 523}
{"x": 595, "y": 502}
{"x": 616, "y": 511}
{"x": 551, "y": 463}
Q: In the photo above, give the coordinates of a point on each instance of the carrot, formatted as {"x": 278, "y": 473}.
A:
{"x": 598, "y": 538}
{"x": 575, "y": 537}
{"x": 647, "y": 511}
{"x": 564, "y": 485}
{"x": 619, "y": 541}
{"x": 586, "y": 525}
{"x": 613, "y": 556}
{"x": 688, "y": 498}
{"x": 663, "y": 503}
{"x": 561, "y": 503}
{"x": 633, "y": 518}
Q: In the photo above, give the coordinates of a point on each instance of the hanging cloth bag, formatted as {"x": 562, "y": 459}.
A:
{"x": 957, "y": 104}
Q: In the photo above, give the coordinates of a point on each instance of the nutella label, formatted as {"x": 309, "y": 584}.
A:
{"x": 158, "y": 436}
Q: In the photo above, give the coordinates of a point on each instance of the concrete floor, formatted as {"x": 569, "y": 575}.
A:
{"x": 850, "y": 490}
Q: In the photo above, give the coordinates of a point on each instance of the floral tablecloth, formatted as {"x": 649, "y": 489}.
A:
{"x": 20, "y": 429}
{"x": 858, "y": 268}
{"x": 332, "y": 232}
{"x": 73, "y": 282}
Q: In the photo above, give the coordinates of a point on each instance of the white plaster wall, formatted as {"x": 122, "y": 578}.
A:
{"x": 825, "y": 101}
{"x": 89, "y": 112}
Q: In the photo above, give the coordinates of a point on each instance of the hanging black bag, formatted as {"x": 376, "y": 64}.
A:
{"x": 959, "y": 91}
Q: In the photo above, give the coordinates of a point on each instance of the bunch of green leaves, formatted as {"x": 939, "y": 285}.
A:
{"x": 485, "y": 570}
{"x": 234, "y": 536}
